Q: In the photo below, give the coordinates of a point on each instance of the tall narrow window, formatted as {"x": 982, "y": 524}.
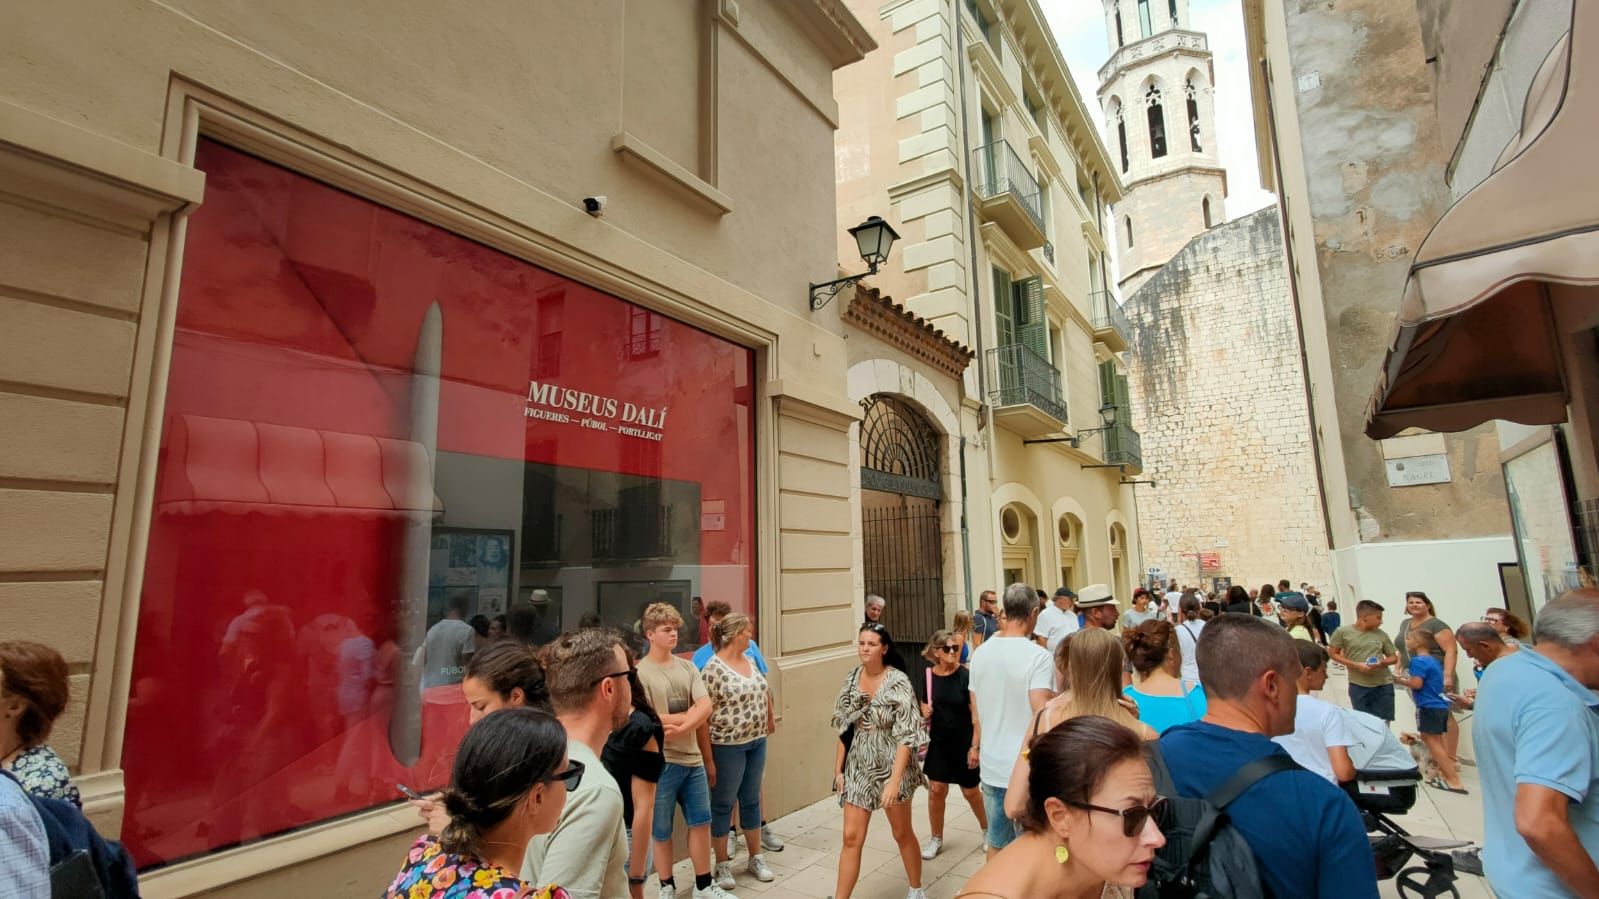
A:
{"x": 1204, "y": 207}
{"x": 1128, "y": 221}
{"x": 1145, "y": 26}
{"x": 1120, "y": 41}
{"x": 1157, "y": 123}
{"x": 1121, "y": 140}
{"x": 1172, "y": 5}
{"x": 1192, "y": 91}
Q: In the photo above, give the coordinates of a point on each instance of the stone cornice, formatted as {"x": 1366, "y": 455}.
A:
{"x": 903, "y": 329}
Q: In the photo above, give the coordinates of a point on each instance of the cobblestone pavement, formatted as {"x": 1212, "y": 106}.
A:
{"x": 807, "y": 868}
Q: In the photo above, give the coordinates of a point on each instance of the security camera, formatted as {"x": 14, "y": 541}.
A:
{"x": 594, "y": 206}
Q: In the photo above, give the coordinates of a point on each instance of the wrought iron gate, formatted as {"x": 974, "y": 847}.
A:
{"x": 901, "y": 522}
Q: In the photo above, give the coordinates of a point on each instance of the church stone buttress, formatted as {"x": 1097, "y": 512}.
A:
{"x": 1156, "y": 90}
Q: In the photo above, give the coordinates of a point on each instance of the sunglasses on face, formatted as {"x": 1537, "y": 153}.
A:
{"x": 572, "y": 776}
{"x": 1133, "y": 819}
{"x": 949, "y": 649}
{"x": 629, "y": 673}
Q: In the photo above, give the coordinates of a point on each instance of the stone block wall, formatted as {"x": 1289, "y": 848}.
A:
{"x": 1218, "y": 393}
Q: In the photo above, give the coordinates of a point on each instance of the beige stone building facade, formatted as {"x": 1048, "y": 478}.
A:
{"x": 1216, "y": 378}
{"x": 965, "y": 132}
{"x": 1353, "y": 138}
{"x": 306, "y": 336}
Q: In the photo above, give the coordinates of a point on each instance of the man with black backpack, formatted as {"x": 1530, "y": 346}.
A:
{"x": 1234, "y": 788}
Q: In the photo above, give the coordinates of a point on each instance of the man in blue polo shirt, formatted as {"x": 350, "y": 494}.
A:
{"x": 1306, "y": 834}
{"x": 1537, "y": 740}
{"x": 715, "y": 611}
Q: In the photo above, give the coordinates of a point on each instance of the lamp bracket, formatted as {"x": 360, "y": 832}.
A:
{"x": 825, "y": 291}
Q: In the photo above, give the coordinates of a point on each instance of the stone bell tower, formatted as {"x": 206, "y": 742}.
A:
{"x": 1157, "y": 91}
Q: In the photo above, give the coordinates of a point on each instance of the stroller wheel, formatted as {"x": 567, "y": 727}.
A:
{"x": 1422, "y": 883}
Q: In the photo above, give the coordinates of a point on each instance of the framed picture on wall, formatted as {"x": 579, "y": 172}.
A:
{"x": 471, "y": 565}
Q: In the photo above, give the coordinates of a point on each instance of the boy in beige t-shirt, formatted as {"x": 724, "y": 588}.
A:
{"x": 677, "y": 692}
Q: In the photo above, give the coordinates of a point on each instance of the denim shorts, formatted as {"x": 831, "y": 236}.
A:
{"x": 1001, "y": 830}
{"x": 1378, "y": 700}
{"x": 681, "y": 785}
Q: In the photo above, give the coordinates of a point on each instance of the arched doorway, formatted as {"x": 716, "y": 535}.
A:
{"x": 902, "y": 539}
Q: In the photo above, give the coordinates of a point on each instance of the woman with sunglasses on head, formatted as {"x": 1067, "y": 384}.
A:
{"x": 742, "y": 715}
{"x": 952, "y": 736}
{"x": 879, "y": 724}
{"x": 1091, "y": 819}
{"x": 633, "y": 757}
{"x": 1420, "y": 614}
{"x": 509, "y": 784}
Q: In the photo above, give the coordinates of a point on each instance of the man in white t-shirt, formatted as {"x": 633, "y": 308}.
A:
{"x": 1173, "y": 595}
{"x": 1322, "y": 736}
{"x": 1011, "y": 679}
{"x": 1058, "y": 620}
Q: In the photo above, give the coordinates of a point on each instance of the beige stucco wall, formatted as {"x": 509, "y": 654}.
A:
{"x": 1363, "y": 180}
{"x": 494, "y": 125}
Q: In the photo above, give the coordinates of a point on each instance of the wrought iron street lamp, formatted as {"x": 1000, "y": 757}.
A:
{"x": 875, "y": 238}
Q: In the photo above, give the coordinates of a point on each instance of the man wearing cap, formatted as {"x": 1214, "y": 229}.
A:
{"x": 1057, "y": 621}
{"x": 1098, "y": 607}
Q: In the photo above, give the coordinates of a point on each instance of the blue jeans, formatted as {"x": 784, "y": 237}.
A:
{"x": 1377, "y": 700}
{"x": 680, "y": 785}
{"x": 1001, "y": 829}
{"x": 738, "y": 779}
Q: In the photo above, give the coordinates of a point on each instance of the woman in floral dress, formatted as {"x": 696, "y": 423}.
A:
{"x": 33, "y": 693}
{"x": 509, "y": 784}
{"x": 878, "y": 716}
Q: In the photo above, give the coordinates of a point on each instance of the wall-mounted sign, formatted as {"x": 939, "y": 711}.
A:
{"x": 1417, "y": 470}
{"x": 601, "y": 413}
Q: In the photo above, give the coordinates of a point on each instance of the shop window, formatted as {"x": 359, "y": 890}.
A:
{"x": 372, "y": 426}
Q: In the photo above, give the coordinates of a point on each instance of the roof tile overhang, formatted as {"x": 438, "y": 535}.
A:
{"x": 899, "y": 327}
{"x": 1476, "y": 337}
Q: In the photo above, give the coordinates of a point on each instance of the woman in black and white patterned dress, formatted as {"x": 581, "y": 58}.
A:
{"x": 878, "y": 712}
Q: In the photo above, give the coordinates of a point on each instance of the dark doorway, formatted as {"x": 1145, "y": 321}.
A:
{"x": 901, "y": 522}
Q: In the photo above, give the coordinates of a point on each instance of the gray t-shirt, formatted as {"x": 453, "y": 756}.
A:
{"x": 1432, "y": 626}
{"x": 1133, "y": 618}
{"x": 586, "y": 854}
{"x": 444, "y": 652}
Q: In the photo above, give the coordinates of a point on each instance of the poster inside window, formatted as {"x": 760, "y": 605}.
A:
{"x": 383, "y": 446}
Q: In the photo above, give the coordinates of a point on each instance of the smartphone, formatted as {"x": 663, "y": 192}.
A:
{"x": 410, "y": 793}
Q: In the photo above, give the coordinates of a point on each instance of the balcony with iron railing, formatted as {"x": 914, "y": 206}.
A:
{"x": 1026, "y": 391}
{"x": 1008, "y": 194}
{"x": 1111, "y": 326}
{"x": 1124, "y": 446}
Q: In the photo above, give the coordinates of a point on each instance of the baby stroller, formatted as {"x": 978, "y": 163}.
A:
{"x": 1385, "y": 783}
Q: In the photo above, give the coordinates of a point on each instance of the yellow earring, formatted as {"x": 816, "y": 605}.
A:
{"x": 1062, "y": 854}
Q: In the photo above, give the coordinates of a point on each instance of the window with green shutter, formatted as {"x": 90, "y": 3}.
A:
{"x": 1004, "y": 307}
{"x": 1032, "y": 321}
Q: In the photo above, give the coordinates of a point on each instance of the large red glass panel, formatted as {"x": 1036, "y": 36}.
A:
{"x": 370, "y": 420}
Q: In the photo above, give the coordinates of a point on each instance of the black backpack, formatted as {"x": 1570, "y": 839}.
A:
{"x": 1204, "y": 858}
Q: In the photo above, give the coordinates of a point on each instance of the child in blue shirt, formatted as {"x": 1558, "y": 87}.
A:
{"x": 1426, "y": 682}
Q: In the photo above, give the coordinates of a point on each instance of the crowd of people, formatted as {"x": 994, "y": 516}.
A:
{"x": 1082, "y": 736}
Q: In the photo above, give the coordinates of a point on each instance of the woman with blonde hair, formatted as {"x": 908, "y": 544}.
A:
{"x": 948, "y": 705}
{"x": 1090, "y": 662}
{"x": 741, "y": 718}
{"x": 964, "y": 628}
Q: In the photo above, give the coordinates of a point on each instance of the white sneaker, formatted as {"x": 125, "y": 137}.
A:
{"x": 714, "y": 891}
{"x": 722, "y": 875}
{"x": 916, "y": 893}
{"x": 758, "y": 869}
{"x": 734, "y": 844}
{"x": 771, "y": 842}
{"x": 668, "y": 892}
{"x": 931, "y": 847}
